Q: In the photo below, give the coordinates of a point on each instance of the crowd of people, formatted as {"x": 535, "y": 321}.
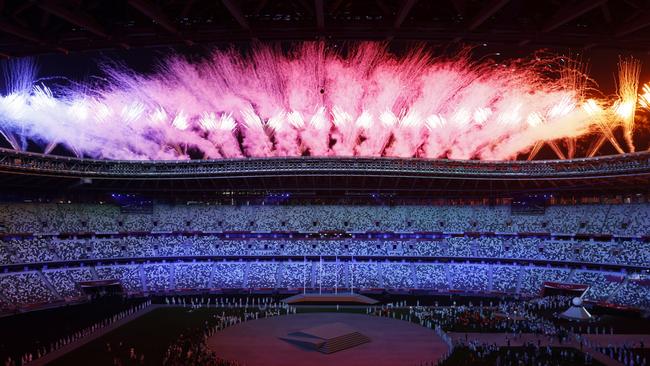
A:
{"x": 37, "y": 250}
{"x": 514, "y": 318}
{"x": 483, "y": 354}
{"x": 628, "y": 355}
{"x": 51, "y": 285}
{"x": 166, "y": 232}
{"x": 26, "y": 288}
{"x": 617, "y": 219}
{"x": 532, "y": 336}
{"x": 190, "y": 347}
{"x": 39, "y": 350}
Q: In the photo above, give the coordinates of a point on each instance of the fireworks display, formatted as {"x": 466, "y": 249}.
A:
{"x": 318, "y": 102}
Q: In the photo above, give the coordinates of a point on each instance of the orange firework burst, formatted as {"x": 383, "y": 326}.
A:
{"x": 644, "y": 99}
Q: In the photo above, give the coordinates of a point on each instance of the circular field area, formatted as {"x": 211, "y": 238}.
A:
{"x": 392, "y": 342}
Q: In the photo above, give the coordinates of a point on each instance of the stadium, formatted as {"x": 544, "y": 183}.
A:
{"x": 331, "y": 182}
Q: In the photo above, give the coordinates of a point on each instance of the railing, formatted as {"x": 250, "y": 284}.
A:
{"x": 347, "y": 258}
{"x": 11, "y": 160}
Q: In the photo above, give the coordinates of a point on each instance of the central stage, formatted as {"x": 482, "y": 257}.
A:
{"x": 327, "y": 338}
{"x": 341, "y": 298}
{"x": 393, "y": 342}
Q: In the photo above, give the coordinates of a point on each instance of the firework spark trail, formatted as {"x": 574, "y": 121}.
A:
{"x": 629, "y": 71}
{"x": 314, "y": 101}
{"x": 224, "y": 137}
{"x": 603, "y": 121}
{"x": 376, "y": 131}
{"x": 285, "y": 135}
{"x": 256, "y": 141}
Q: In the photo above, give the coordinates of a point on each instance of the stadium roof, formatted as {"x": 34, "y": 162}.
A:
{"x": 45, "y": 26}
{"x": 622, "y": 174}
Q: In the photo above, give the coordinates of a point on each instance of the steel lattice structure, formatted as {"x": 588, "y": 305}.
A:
{"x": 43, "y": 26}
